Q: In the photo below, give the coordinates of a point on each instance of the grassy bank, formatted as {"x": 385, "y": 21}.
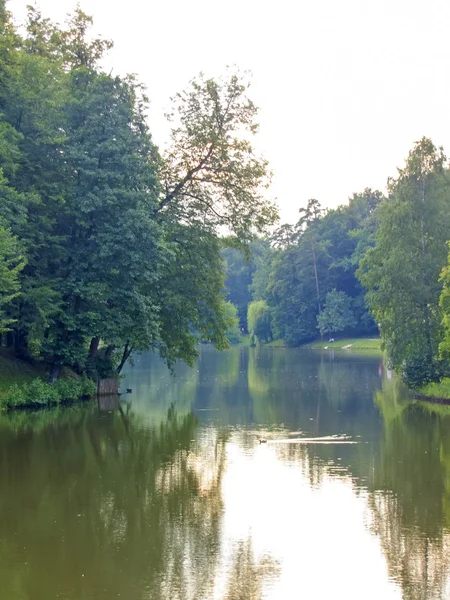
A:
{"x": 436, "y": 390}
{"x": 347, "y": 344}
{"x": 23, "y": 384}
{"x": 16, "y": 371}
{"x": 344, "y": 344}
{"x": 276, "y": 344}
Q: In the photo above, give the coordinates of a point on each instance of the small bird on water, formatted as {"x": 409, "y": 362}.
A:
{"x": 262, "y": 441}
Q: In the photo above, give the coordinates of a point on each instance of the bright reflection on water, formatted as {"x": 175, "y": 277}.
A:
{"x": 170, "y": 495}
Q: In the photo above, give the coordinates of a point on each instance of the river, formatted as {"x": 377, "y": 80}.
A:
{"x": 258, "y": 474}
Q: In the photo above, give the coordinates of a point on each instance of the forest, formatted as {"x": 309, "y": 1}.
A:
{"x": 110, "y": 245}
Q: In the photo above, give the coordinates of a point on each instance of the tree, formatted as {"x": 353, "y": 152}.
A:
{"x": 11, "y": 264}
{"x": 309, "y": 216}
{"x": 113, "y": 247}
{"x": 238, "y": 280}
{"x": 444, "y": 303}
{"x": 337, "y": 314}
{"x": 233, "y": 332}
{"x": 299, "y": 277}
{"x": 190, "y": 295}
{"x": 402, "y": 271}
{"x": 259, "y": 321}
{"x": 210, "y": 174}
{"x": 247, "y": 277}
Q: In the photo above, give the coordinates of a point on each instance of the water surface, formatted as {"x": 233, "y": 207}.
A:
{"x": 170, "y": 494}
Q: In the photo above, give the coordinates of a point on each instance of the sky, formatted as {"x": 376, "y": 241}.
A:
{"x": 344, "y": 87}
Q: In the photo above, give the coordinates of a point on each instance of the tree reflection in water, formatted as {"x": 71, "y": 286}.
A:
{"x": 99, "y": 502}
{"x": 246, "y": 576}
{"x": 129, "y": 501}
{"x": 404, "y": 471}
{"x": 409, "y": 498}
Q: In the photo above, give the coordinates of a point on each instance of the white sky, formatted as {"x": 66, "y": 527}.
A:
{"x": 344, "y": 87}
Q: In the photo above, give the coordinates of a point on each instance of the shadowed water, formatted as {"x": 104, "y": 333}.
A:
{"x": 267, "y": 473}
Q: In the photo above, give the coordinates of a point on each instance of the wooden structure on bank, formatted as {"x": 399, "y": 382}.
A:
{"x": 108, "y": 387}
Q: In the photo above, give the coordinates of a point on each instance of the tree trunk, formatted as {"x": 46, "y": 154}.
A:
{"x": 20, "y": 345}
{"x": 56, "y": 372}
{"x": 125, "y": 356}
{"x": 93, "y": 348}
{"x": 316, "y": 275}
{"x": 10, "y": 339}
{"x": 109, "y": 350}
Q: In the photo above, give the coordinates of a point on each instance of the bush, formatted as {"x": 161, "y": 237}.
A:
{"x": 420, "y": 371}
{"x": 40, "y": 393}
{"x": 15, "y": 396}
{"x": 88, "y": 387}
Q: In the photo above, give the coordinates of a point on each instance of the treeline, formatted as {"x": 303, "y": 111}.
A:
{"x": 379, "y": 263}
{"x": 302, "y": 281}
{"x": 108, "y": 245}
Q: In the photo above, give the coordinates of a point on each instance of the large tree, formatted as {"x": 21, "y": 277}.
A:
{"x": 402, "y": 271}
{"x": 210, "y": 174}
{"x": 11, "y": 264}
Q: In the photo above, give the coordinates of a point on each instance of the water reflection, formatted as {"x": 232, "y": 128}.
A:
{"x": 409, "y": 501}
{"x": 98, "y": 507}
{"x": 168, "y": 494}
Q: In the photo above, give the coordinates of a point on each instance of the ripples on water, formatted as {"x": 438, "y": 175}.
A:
{"x": 271, "y": 473}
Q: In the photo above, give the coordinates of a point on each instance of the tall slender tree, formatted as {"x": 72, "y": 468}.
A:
{"x": 402, "y": 271}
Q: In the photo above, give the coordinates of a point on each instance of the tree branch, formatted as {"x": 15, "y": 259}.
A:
{"x": 189, "y": 175}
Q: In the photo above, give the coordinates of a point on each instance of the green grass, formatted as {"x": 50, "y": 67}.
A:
{"x": 14, "y": 370}
{"x": 353, "y": 343}
{"x": 437, "y": 390}
{"x": 23, "y": 375}
{"x": 276, "y": 344}
{"x": 244, "y": 342}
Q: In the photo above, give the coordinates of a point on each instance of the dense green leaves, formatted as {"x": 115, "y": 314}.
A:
{"x": 402, "y": 271}
{"x": 11, "y": 264}
{"x": 302, "y": 264}
{"x": 259, "y": 321}
{"x": 121, "y": 245}
{"x": 337, "y": 314}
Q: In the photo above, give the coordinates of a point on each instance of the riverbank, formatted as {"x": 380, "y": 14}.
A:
{"x": 16, "y": 371}
{"x": 340, "y": 344}
{"x": 436, "y": 391}
{"x": 347, "y": 344}
{"x": 24, "y": 384}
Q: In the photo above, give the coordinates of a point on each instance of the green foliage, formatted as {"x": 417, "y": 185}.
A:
{"x": 437, "y": 390}
{"x": 11, "y": 264}
{"x": 259, "y": 322}
{"x": 247, "y": 276}
{"x": 39, "y": 393}
{"x": 402, "y": 271}
{"x": 237, "y": 282}
{"x": 417, "y": 370}
{"x": 337, "y": 314}
{"x": 320, "y": 253}
{"x": 444, "y": 303}
{"x": 121, "y": 245}
{"x": 233, "y": 332}
{"x": 211, "y": 173}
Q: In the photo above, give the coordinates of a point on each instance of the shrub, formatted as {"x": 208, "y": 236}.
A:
{"x": 420, "y": 371}
{"x": 40, "y": 393}
{"x": 88, "y": 387}
{"x": 15, "y": 396}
